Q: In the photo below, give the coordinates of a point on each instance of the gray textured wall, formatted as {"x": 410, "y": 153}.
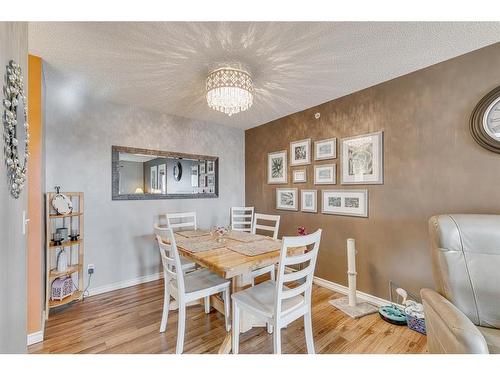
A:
{"x": 13, "y": 45}
{"x": 79, "y": 134}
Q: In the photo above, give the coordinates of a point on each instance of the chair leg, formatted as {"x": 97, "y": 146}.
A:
{"x": 166, "y": 308}
{"x": 309, "y": 333}
{"x": 207, "y": 305}
{"x": 277, "y": 340}
{"x": 227, "y": 301}
{"x": 235, "y": 328}
{"x": 273, "y": 274}
{"x": 181, "y": 327}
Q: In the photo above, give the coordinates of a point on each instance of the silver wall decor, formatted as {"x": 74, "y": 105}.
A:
{"x": 14, "y": 96}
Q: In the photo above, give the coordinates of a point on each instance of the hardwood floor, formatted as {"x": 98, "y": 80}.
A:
{"x": 128, "y": 321}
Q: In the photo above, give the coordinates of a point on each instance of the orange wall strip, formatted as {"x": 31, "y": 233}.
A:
{"x": 35, "y": 196}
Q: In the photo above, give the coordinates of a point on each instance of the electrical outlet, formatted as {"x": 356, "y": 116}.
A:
{"x": 90, "y": 269}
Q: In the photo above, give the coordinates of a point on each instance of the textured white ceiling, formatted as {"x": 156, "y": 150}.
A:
{"x": 162, "y": 66}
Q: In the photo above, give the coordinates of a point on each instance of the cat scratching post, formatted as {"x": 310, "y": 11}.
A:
{"x": 349, "y": 305}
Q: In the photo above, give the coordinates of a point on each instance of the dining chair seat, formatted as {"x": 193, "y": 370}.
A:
{"x": 261, "y": 300}
{"x": 201, "y": 280}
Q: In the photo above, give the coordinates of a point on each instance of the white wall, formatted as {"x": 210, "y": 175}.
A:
{"x": 13, "y": 46}
{"x": 118, "y": 234}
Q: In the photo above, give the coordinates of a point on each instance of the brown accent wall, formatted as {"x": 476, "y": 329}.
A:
{"x": 432, "y": 166}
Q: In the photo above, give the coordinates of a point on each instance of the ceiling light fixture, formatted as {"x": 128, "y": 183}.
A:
{"x": 229, "y": 90}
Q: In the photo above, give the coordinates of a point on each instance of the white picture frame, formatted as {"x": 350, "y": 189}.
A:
{"x": 325, "y": 149}
{"x": 299, "y": 175}
{"x": 325, "y": 174}
{"x": 153, "y": 179}
{"x": 362, "y": 159}
{"x": 210, "y": 180}
{"x": 162, "y": 178}
{"x": 277, "y": 169}
{"x": 300, "y": 152}
{"x": 345, "y": 202}
{"x": 203, "y": 167}
{"x": 309, "y": 200}
{"x": 203, "y": 181}
{"x": 286, "y": 199}
{"x": 194, "y": 176}
{"x": 210, "y": 167}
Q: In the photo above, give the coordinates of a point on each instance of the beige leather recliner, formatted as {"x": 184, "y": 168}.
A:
{"x": 464, "y": 315}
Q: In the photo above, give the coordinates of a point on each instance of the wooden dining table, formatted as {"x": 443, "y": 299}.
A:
{"x": 235, "y": 266}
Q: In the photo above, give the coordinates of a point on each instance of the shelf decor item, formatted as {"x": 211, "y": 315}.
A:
{"x": 62, "y": 287}
{"x": 17, "y": 168}
{"x": 64, "y": 249}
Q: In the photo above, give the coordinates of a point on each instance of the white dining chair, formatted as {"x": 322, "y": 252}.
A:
{"x": 281, "y": 304}
{"x": 186, "y": 288}
{"x": 242, "y": 219}
{"x": 182, "y": 221}
{"x": 187, "y": 265}
{"x": 267, "y": 228}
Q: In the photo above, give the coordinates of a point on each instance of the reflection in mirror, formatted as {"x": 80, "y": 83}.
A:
{"x": 151, "y": 174}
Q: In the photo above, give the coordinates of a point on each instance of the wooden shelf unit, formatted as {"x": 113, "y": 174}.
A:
{"x": 75, "y": 249}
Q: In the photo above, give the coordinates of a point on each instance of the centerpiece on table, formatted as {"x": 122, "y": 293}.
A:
{"x": 219, "y": 232}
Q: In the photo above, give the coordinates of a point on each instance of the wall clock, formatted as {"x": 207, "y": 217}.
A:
{"x": 485, "y": 121}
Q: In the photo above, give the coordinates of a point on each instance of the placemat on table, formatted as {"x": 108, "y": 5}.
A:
{"x": 245, "y": 236}
{"x": 198, "y": 247}
{"x": 256, "y": 248}
{"x": 193, "y": 233}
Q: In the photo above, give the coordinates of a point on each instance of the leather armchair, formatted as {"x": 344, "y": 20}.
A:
{"x": 463, "y": 316}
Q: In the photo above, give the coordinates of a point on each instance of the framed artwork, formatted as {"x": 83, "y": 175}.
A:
{"x": 325, "y": 149}
{"x": 325, "y": 174}
{"x": 194, "y": 176}
{"x": 210, "y": 166}
{"x": 203, "y": 167}
{"x": 162, "y": 178}
{"x": 362, "y": 159}
{"x": 299, "y": 175}
{"x": 203, "y": 181}
{"x": 286, "y": 199}
{"x": 277, "y": 168}
{"x": 345, "y": 202}
{"x": 210, "y": 180}
{"x": 308, "y": 201}
{"x": 153, "y": 179}
{"x": 300, "y": 152}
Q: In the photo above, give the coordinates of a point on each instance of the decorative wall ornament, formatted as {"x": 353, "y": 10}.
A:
{"x": 362, "y": 159}
{"x": 485, "y": 121}
{"x": 14, "y": 97}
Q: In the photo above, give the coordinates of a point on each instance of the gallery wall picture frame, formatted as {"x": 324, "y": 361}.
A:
{"x": 203, "y": 181}
{"x": 309, "y": 200}
{"x": 153, "y": 179}
{"x": 325, "y": 149}
{"x": 300, "y": 152}
{"x": 345, "y": 202}
{"x": 210, "y": 167}
{"x": 362, "y": 159}
{"x": 299, "y": 175}
{"x": 277, "y": 169}
{"x": 286, "y": 199}
{"x": 162, "y": 178}
{"x": 194, "y": 176}
{"x": 210, "y": 180}
{"x": 325, "y": 174}
{"x": 203, "y": 167}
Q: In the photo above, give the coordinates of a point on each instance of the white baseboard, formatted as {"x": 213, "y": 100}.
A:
{"x": 125, "y": 284}
{"x": 35, "y": 337}
{"x": 344, "y": 290}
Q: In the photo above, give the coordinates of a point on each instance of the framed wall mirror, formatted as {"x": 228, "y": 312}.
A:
{"x": 153, "y": 174}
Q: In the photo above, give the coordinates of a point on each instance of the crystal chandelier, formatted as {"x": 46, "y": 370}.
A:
{"x": 229, "y": 90}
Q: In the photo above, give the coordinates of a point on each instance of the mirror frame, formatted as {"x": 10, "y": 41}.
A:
{"x": 115, "y": 155}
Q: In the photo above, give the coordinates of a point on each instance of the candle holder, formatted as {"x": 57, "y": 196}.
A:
{"x": 56, "y": 239}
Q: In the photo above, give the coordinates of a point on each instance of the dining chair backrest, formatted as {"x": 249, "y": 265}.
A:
{"x": 170, "y": 259}
{"x": 182, "y": 221}
{"x": 306, "y": 273}
{"x": 268, "y": 218}
{"x": 242, "y": 218}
